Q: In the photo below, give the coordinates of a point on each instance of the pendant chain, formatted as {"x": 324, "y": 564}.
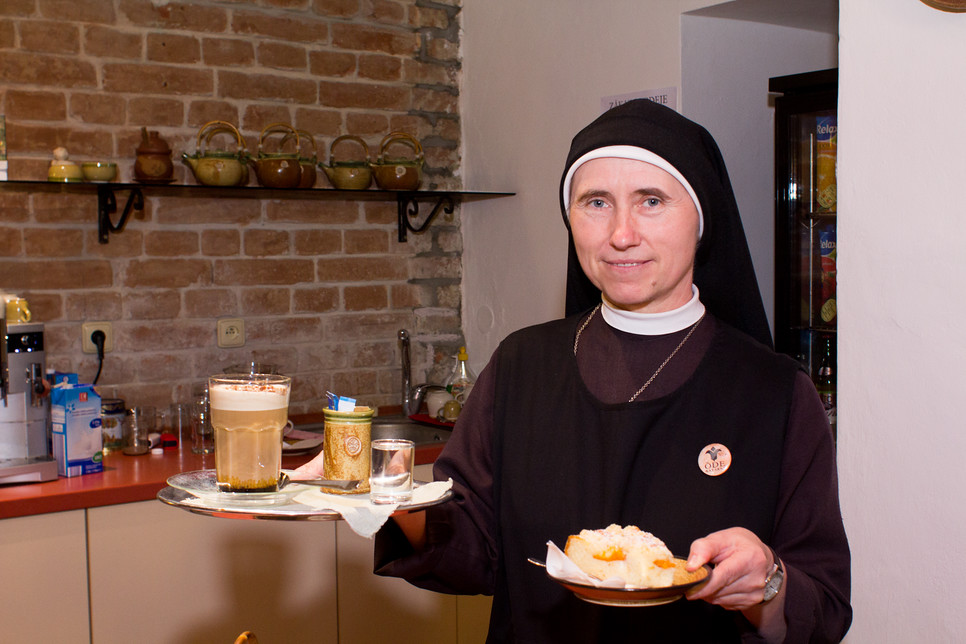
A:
{"x": 659, "y": 369}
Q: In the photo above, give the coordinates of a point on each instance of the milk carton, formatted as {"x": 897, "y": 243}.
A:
{"x": 75, "y": 413}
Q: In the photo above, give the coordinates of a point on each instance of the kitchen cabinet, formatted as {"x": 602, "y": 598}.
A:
{"x": 371, "y": 606}
{"x": 149, "y": 573}
{"x": 159, "y": 575}
{"x": 43, "y": 566}
{"x": 407, "y": 201}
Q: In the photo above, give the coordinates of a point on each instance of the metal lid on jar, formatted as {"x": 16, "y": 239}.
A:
{"x": 112, "y": 406}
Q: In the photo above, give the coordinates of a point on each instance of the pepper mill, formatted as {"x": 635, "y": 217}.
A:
{"x": 153, "y": 162}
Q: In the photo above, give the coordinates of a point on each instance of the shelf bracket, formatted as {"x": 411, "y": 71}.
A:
{"x": 107, "y": 205}
{"x": 408, "y": 207}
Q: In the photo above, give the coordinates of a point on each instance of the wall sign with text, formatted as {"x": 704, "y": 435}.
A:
{"x": 666, "y": 96}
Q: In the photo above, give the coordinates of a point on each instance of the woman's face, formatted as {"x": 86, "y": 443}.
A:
{"x": 635, "y": 229}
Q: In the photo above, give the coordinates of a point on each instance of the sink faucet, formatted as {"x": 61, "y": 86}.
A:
{"x": 412, "y": 397}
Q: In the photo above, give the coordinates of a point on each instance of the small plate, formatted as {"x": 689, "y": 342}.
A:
{"x": 636, "y": 597}
{"x": 297, "y": 442}
{"x": 204, "y": 485}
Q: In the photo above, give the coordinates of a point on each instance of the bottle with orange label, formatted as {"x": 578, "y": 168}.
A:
{"x": 826, "y": 141}
{"x": 827, "y": 257}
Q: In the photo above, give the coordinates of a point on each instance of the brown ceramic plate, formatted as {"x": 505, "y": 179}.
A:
{"x": 956, "y": 6}
{"x": 636, "y": 597}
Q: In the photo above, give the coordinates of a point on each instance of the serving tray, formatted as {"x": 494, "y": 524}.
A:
{"x": 292, "y": 511}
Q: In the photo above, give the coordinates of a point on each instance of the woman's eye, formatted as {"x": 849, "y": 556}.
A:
{"x": 652, "y": 202}
{"x": 596, "y": 203}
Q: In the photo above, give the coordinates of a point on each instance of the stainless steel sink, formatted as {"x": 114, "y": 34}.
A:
{"x": 397, "y": 427}
{"x": 404, "y": 428}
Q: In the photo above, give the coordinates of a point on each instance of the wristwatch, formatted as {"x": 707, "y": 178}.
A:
{"x": 773, "y": 583}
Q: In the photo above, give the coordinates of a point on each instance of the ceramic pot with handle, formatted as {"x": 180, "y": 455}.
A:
{"x": 219, "y": 167}
{"x": 393, "y": 173}
{"x": 278, "y": 169}
{"x": 308, "y": 158}
{"x": 348, "y": 175}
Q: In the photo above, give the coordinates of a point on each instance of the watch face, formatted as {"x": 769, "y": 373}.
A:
{"x": 773, "y": 584}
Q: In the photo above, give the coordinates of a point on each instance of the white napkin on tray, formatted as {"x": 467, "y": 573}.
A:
{"x": 560, "y": 566}
{"x": 364, "y": 517}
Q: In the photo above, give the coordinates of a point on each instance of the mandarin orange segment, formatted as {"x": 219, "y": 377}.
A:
{"x": 610, "y": 553}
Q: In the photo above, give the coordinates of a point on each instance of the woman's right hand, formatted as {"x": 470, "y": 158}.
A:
{"x": 314, "y": 469}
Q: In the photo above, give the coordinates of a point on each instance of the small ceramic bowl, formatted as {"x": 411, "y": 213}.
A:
{"x": 99, "y": 171}
{"x": 66, "y": 171}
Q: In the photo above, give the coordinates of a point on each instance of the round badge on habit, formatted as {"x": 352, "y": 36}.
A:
{"x": 714, "y": 459}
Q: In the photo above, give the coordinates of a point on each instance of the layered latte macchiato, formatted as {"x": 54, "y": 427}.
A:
{"x": 248, "y": 414}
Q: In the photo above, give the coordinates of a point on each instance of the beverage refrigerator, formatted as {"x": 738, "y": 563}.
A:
{"x": 806, "y": 135}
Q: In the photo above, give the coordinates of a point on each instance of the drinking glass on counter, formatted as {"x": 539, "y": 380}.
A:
{"x": 141, "y": 421}
{"x": 202, "y": 434}
{"x": 248, "y": 413}
{"x": 176, "y": 420}
{"x": 391, "y": 477}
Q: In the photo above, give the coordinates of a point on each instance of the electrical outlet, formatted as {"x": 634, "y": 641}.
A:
{"x": 231, "y": 332}
{"x": 88, "y": 328}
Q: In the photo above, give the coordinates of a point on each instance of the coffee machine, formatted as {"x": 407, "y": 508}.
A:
{"x": 25, "y": 448}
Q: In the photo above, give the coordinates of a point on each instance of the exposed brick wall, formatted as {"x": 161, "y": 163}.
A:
{"x": 323, "y": 286}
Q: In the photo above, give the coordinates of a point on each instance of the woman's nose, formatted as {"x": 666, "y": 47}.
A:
{"x": 624, "y": 233}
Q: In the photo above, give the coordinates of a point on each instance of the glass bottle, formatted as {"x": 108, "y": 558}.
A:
{"x": 462, "y": 379}
{"x": 825, "y": 379}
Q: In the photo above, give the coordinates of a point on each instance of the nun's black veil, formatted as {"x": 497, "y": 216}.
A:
{"x": 723, "y": 270}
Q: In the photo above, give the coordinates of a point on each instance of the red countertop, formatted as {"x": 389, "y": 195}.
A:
{"x": 126, "y": 479}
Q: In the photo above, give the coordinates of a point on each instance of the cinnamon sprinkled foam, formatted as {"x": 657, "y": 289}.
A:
{"x": 248, "y": 397}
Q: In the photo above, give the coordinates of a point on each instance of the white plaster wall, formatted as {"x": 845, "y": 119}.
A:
{"x": 533, "y": 74}
{"x": 902, "y": 275}
{"x": 725, "y": 67}
{"x": 534, "y": 70}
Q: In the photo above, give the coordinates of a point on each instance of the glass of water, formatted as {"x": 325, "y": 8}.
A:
{"x": 391, "y": 473}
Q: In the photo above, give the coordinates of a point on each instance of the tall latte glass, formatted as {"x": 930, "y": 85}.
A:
{"x": 248, "y": 414}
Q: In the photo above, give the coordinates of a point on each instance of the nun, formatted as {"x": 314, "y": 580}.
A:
{"x": 659, "y": 403}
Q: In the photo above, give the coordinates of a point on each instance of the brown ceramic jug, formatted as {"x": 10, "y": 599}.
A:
{"x": 277, "y": 169}
{"x": 307, "y": 161}
{"x": 398, "y": 173}
{"x": 153, "y": 162}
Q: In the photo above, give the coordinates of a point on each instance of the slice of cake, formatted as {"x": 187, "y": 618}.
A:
{"x": 639, "y": 558}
